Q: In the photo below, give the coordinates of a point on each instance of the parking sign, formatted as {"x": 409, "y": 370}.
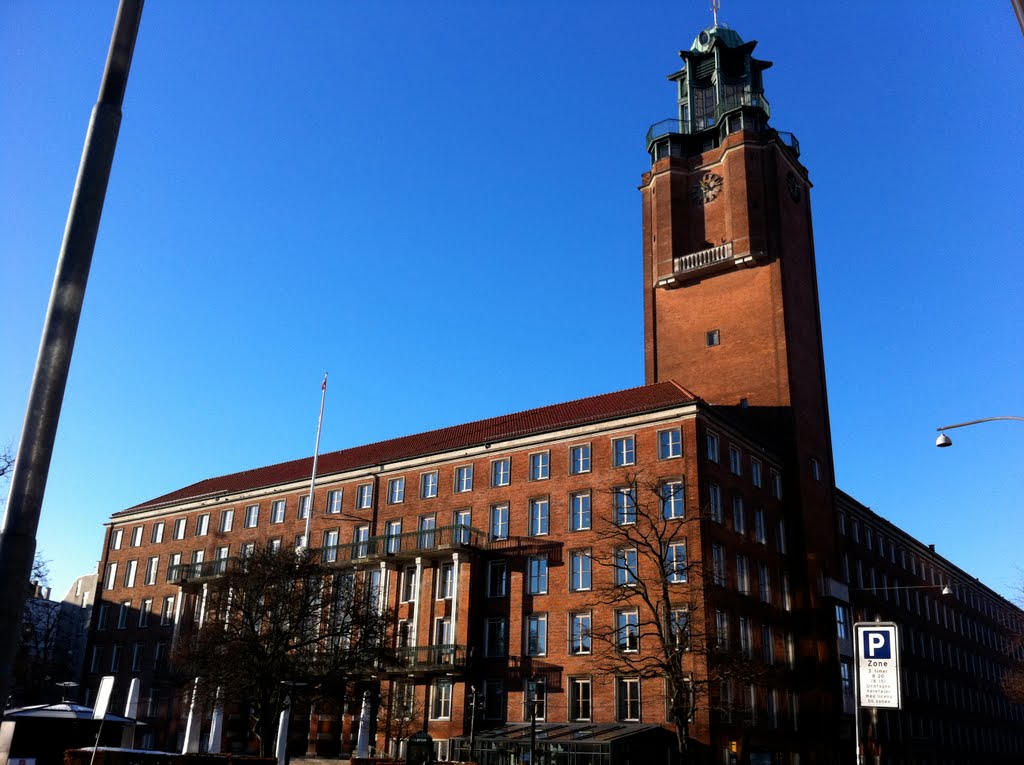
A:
{"x": 878, "y": 664}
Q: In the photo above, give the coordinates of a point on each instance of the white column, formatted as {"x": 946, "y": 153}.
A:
{"x": 131, "y": 710}
{"x": 363, "y": 742}
{"x": 383, "y": 594}
{"x": 282, "y": 733}
{"x": 455, "y": 600}
{"x": 416, "y": 602}
{"x": 191, "y": 745}
{"x": 216, "y": 723}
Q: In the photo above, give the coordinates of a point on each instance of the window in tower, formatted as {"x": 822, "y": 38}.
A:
{"x": 713, "y": 338}
{"x": 704, "y": 106}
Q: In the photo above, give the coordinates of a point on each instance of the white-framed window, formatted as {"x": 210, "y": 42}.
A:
{"x": 252, "y": 516}
{"x": 540, "y": 466}
{"x": 623, "y": 451}
{"x": 499, "y": 521}
{"x": 497, "y": 579}
{"x": 152, "y": 567}
{"x": 537, "y": 575}
{"x": 537, "y": 635}
{"x": 755, "y": 472}
{"x": 156, "y": 536}
{"x": 96, "y": 659}
{"x": 579, "y": 511}
{"x": 735, "y": 460}
{"x": 198, "y": 556}
{"x": 179, "y": 528}
{"x": 221, "y": 556}
{"x": 671, "y": 499}
{"x": 501, "y": 472}
{"x": 442, "y": 631}
{"x": 742, "y": 573}
{"x": 675, "y": 562}
{"x": 776, "y": 483}
{"x": 408, "y": 584}
{"x": 277, "y": 511}
{"x": 247, "y": 550}
{"x": 102, "y": 617}
{"x": 580, "y": 699}
{"x": 670, "y": 444}
{"x": 625, "y": 505}
{"x": 787, "y": 597}
{"x": 767, "y": 644}
{"x": 790, "y": 650}
{"x": 227, "y": 520}
{"x": 393, "y": 537}
{"x": 764, "y": 582}
{"x": 441, "y": 699}
{"x": 426, "y": 536}
{"x": 722, "y": 628}
{"x": 137, "y": 649}
{"x": 167, "y": 610}
{"x": 718, "y": 565}
{"x": 581, "y": 570}
{"x": 129, "y": 573}
{"x": 712, "y": 338}
{"x": 815, "y": 469}
{"x": 136, "y": 539}
{"x": 360, "y": 541}
{"x": 712, "y": 446}
{"x": 580, "y": 640}
{"x": 428, "y": 485}
{"x": 173, "y": 567}
{"x": 579, "y": 459}
{"x": 396, "y": 490}
{"x": 746, "y": 638}
{"x": 463, "y": 479}
{"x": 627, "y": 630}
{"x": 145, "y": 609}
{"x": 110, "y": 580}
{"x": 330, "y": 546}
{"x": 115, "y": 657}
{"x": 739, "y": 515}
{"x": 625, "y": 566}
{"x": 760, "y": 533}
{"x": 538, "y": 516}
{"x": 715, "y": 502}
{"x": 445, "y": 581}
{"x": 303, "y": 513}
{"x": 202, "y": 524}
{"x": 364, "y": 496}
{"x": 679, "y": 627}
{"x": 122, "y": 614}
{"x": 334, "y": 501}
{"x": 115, "y": 539}
{"x": 463, "y": 522}
{"x": 534, "y": 695}
{"x": 495, "y": 640}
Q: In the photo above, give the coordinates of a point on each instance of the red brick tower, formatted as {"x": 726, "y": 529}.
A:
{"x": 731, "y": 300}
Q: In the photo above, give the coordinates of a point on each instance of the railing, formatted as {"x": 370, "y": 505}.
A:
{"x": 427, "y": 657}
{"x": 405, "y": 544}
{"x": 726, "y": 105}
{"x": 204, "y": 570}
{"x": 788, "y": 139}
{"x": 702, "y": 258}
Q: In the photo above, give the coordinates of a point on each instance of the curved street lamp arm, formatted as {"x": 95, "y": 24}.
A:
{"x": 975, "y": 422}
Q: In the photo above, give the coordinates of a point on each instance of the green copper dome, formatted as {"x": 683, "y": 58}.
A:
{"x": 703, "y": 42}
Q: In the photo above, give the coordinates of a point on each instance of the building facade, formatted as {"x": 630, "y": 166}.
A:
{"x": 543, "y": 567}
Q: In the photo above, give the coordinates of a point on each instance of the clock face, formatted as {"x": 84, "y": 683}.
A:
{"x": 793, "y": 186}
{"x": 707, "y": 188}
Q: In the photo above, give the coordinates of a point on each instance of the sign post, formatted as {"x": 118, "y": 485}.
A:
{"x": 876, "y": 670}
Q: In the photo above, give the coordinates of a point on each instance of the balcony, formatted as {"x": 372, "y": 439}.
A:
{"x": 191, "y": 575}
{"x": 430, "y": 658}
{"x": 428, "y": 543}
{"x": 695, "y": 265}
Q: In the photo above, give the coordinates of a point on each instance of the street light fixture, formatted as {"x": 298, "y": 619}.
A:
{"x": 943, "y": 440}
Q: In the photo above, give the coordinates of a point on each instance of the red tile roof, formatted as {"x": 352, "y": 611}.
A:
{"x": 583, "y": 411}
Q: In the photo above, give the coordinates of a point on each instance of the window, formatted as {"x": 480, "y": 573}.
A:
{"x": 671, "y": 499}
{"x": 776, "y": 486}
{"x": 115, "y": 657}
{"x": 715, "y": 502}
{"x": 718, "y": 565}
{"x": 167, "y": 610}
{"x": 442, "y": 631}
{"x": 179, "y": 528}
{"x": 580, "y": 574}
{"x": 625, "y": 566}
{"x": 334, "y": 501}
{"x": 393, "y": 537}
{"x": 360, "y": 541}
{"x": 768, "y": 644}
{"x": 815, "y": 469}
{"x": 537, "y": 576}
{"x": 580, "y": 511}
{"x": 122, "y": 614}
{"x": 579, "y": 459}
{"x": 101, "y": 620}
{"x": 670, "y": 444}
{"x": 396, "y": 491}
{"x": 96, "y": 659}
{"x": 540, "y": 466}
{"x": 739, "y": 516}
{"x": 252, "y": 516}
{"x": 679, "y": 627}
{"x": 364, "y": 496}
{"x": 129, "y": 573}
{"x": 760, "y": 535}
{"x": 579, "y": 699}
{"x": 428, "y": 485}
{"x": 426, "y": 537}
{"x": 499, "y": 521}
{"x": 787, "y": 598}
{"x": 137, "y": 657}
{"x": 144, "y": 611}
{"x": 221, "y": 556}
{"x": 463, "y": 523}
{"x": 330, "y": 553}
{"x": 227, "y": 520}
{"x": 303, "y": 507}
{"x": 494, "y": 703}
{"x": 464, "y": 479}
{"x": 494, "y": 637}
{"x": 445, "y": 581}
{"x": 722, "y": 628}
{"x": 111, "y": 578}
{"x": 764, "y": 582}
{"x": 247, "y": 550}
{"x": 501, "y": 472}
{"x": 675, "y": 562}
{"x": 712, "y": 444}
{"x": 790, "y": 650}
{"x": 136, "y": 539}
{"x": 746, "y": 638}
{"x": 152, "y": 566}
{"x": 623, "y": 451}
{"x": 625, "y": 505}
{"x": 842, "y": 621}
{"x": 627, "y": 699}
{"x": 579, "y": 633}
{"x": 174, "y": 567}
{"x": 755, "y": 472}
{"x": 497, "y": 576}
{"x": 538, "y": 517}
{"x": 780, "y": 536}
{"x": 156, "y": 536}
{"x": 202, "y": 525}
{"x": 742, "y": 574}
{"x": 846, "y": 677}
{"x": 441, "y": 700}
{"x": 537, "y": 635}
{"x": 534, "y": 700}
{"x": 409, "y": 584}
{"x": 712, "y": 338}
{"x": 735, "y": 460}
{"x": 115, "y": 539}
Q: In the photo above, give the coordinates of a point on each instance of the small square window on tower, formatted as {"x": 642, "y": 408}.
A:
{"x": 714, "y": 337}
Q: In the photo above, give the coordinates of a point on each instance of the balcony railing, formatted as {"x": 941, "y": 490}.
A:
{"x": 406, "y": 544}
{"x": 209, "y": 569}
{"x": 703, "y": 258}
{"x": 427, "y": 658}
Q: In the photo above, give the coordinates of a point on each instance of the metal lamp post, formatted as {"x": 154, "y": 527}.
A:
{"x": 944, "y": 440}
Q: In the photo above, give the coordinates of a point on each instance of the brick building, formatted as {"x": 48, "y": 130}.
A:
{"x": 503, "y": 546}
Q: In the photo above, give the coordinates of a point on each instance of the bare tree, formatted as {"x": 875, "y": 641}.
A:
{"x": 274, "y": 621}
{"x": 662, "y": 626}
{"x": 44, "y": 655}
{"x": 400, "y": 713}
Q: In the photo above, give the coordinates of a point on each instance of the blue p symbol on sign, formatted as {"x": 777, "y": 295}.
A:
{"x": 876, "y": 644}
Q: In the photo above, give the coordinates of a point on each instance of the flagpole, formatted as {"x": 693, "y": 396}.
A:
{"x": 316, "y": 455}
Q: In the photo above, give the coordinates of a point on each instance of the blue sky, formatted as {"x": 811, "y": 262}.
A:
{"x": 437, "y": 203}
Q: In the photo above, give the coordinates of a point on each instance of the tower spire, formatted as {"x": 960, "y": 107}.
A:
{"x": 715, "y": 5}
